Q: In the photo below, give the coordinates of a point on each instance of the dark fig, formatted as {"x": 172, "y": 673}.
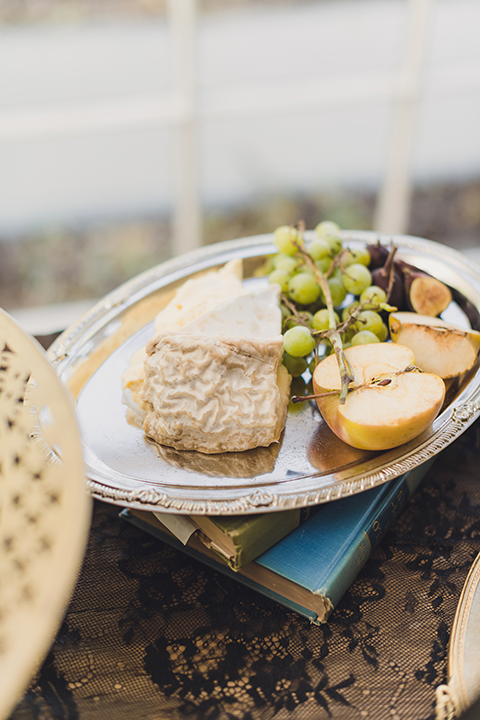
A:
{"x": 378, "y": 255}
{"x": 470, "y": 310}
{"x": 424, "y": 294}
{"x": 392, "y": 286}
{"x": 390, "y": 280}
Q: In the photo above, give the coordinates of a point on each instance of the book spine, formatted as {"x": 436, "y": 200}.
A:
{"x": 401, "y": 493}
{"x": 256, "y": 535}
{"x": 377, "y": 524}
{"x": 219, "y": 566}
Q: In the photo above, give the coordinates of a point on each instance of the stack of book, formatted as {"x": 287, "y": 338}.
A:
{"x": 304, "y": 559}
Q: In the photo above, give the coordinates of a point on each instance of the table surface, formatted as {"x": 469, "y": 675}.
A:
{"x": 153, "y": 634}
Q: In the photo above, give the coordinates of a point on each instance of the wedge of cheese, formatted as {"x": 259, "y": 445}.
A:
{"x": 214, "y": 394}
{"x": 213, "y": 381}
{"x": 200, "y": 295}
{"x": 195, "y": 297}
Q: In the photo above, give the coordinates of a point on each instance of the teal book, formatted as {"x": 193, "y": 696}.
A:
{"x": 310, "y": 569}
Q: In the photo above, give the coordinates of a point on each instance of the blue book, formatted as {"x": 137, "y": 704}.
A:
{"x": 312, "y": 567}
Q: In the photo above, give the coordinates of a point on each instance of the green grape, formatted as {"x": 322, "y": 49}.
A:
{"x": 337, "y": 291}
{"x": 372, "y": 297}
{"x": 316, "y": 306}
{"x": 312, "y": 365}
{"x": 298, "y": 387}
{"x": 289, "y": 322}
{"x": 348, "y": 334}
{"x": 364, "y": 337}
{"x": 334, "y": 242}
{"x": 346, "y": 258}
{"x": 296, "y": 366}
{"x": 292, "y": 321}
{"x": 383, "y": 334}
{"x": 303, "y": 288}
{"x": 337, "y": 274}
{"x": 356, "y": 279}
{"x": 285, "y": 262}
{"x": 285, "y": 237}
{"x": 369, "y": 320}
{"x": 307, "y": 317}
{"x": 302, "y": 268}
{"x": 327, "y": 227}
{"x": 324, "y": 264}
{"x": 281, "y": 278}
{"x": 286, "y": 312}
{"x": 319, "y": 249}
{"x": 346, "y": 312}
{"x": 359, "y": 255}
{"x": 326, "y": 346}
{"x": 320, "y": 320}
{"x": 298, "y": 341}
{"x": 266, "y": 268}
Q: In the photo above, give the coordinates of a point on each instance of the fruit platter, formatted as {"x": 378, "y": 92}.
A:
{"x": 275, "y": 371}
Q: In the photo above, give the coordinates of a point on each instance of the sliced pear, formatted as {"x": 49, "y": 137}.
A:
{"x": 389, "y": 403}
{"x": 438, "y": 346}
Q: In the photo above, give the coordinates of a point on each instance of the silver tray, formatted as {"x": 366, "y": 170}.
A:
{"x": 310, "y": 465}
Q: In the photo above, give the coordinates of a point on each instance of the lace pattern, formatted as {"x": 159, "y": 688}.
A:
{"x": 151, "y": 633}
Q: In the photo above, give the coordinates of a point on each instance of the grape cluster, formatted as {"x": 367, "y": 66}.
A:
{"x": 306, "y": 321}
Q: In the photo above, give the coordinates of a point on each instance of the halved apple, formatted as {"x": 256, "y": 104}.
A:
{"x": 439, "y": 347}
{"x": 388, "y": 404}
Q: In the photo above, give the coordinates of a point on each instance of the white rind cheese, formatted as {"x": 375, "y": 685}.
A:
{"x": 254, "y": 314}
{"x": 196, "y": 297}
{"x": 200, "y": 295}
{"x": 211, "y": 378}
{"x": 214, "y": 396}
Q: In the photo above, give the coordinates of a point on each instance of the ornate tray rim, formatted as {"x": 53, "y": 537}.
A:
{"x": 459, "y": 415}
{"x": 462, "y": 690}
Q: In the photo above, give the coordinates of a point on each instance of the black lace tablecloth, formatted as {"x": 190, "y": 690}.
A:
{"x": 153, "y": 634}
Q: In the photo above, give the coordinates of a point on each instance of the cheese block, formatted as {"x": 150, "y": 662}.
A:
{"x": 211, "y": 378}
{"x": 200, "y": 295}
{"x": 195, "y": 297}
{"x": 214, "y": 394}
{"x": 254, "y": 314}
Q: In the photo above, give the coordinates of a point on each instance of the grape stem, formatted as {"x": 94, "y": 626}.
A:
{"x": 294, "y": 310}
{"x": 346, "y": 376}
{"x": 337, "y": 263}
{"x": 353, "y": 317}
{"x": 381, "y": 381}
{"x": 302, "y": 398}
